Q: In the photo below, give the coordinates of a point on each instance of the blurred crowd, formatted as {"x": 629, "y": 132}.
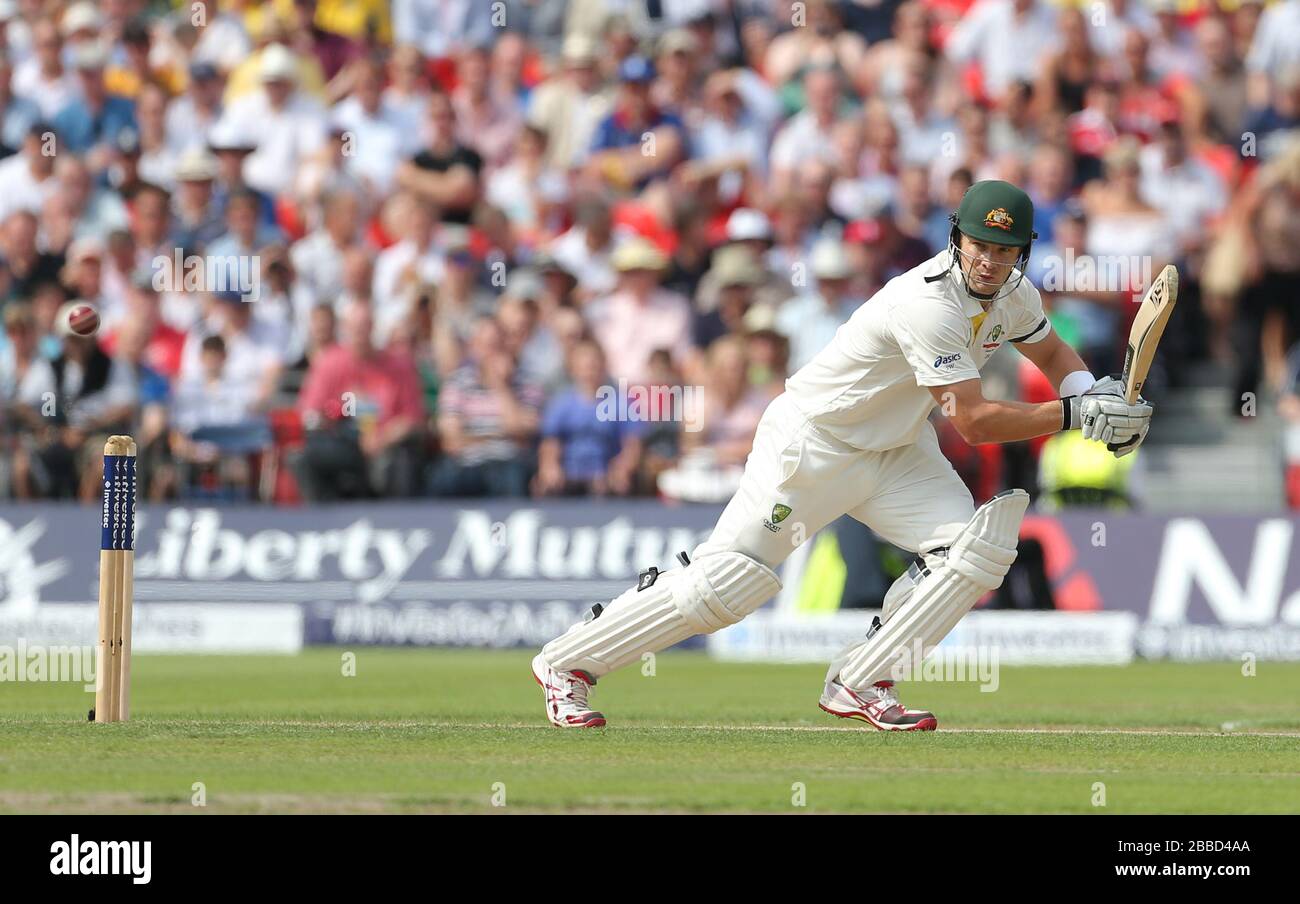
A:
{"x": 360, "y": 249}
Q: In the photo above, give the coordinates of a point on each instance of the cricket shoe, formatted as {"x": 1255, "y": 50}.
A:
{"x": 566, "y": 696}
{"x": 878, "y": 705}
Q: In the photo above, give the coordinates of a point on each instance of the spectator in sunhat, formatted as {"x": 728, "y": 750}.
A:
{"x": 640, "y": 316}
{"x": 558, "y": 283}
{"x": 290, "y": 124}
{"x": 569, "y": 106}
{"x": 81, "y": 23}
{"x": 231, "y": 144}
{"x": 196, "y": 219}
{"x": 678, "y": 68}
{"x": 810, "y": 320}
{"x": 752, "y": 229}
{"x": 727, "y": 293}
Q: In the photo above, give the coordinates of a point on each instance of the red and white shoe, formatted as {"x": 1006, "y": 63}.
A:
{"x": 566, "y": 696}
{"x": 878, "y": 705}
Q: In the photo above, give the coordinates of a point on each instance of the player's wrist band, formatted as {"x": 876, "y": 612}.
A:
{"x": 1070, "y": 417}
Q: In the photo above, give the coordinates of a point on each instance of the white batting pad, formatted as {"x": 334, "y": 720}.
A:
{"x": 977, "y": 562}
{"x": 712, "y": 592}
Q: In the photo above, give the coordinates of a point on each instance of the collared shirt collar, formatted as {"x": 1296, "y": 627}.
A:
{"x": 942, "y": 263}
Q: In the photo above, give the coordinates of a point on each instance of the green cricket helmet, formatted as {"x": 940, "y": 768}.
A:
{"x": 996, "y": 212}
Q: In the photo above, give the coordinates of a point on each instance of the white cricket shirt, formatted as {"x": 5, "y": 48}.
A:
{"x": 867, "y": 388}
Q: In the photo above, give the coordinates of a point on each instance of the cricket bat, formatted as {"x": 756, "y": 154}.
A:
{"x": 1148, "y": 327}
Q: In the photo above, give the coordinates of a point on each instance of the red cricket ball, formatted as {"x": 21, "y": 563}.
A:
{"x": 83, "y": 320}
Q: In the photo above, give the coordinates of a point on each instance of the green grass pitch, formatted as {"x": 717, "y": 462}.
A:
{"x": 462, "y": 731}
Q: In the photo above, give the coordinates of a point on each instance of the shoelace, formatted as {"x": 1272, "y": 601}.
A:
{"x": 887, "y": 697}
{"x": 575, "y": 689}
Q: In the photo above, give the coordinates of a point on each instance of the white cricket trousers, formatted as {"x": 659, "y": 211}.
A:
{"x": 911, "y": 496}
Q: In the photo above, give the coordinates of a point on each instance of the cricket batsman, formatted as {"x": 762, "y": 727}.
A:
{"x": 851, "y": 435}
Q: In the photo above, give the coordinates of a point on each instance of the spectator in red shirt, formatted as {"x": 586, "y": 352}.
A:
{"x": 365, "y": 417}
{"x": 165, "y": 344}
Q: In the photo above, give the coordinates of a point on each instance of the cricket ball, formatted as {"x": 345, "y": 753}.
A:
{"x": 83, "y": 320}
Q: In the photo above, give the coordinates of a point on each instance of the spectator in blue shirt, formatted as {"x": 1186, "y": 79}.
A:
{"x": 17, "y": 114}
{"x": 619, "y": 155}
{"x": 231, "y": 147}
{"x": 96, "y": 117}
{"x": 1274, "y": 125}
{"x": 588, "y": 444}
{"x": 246, "y": 237}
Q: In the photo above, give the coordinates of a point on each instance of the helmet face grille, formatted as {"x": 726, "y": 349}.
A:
{"x": 1021, "y": 264}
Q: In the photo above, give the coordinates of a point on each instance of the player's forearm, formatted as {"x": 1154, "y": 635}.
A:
{"x": 996, "y": 421}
